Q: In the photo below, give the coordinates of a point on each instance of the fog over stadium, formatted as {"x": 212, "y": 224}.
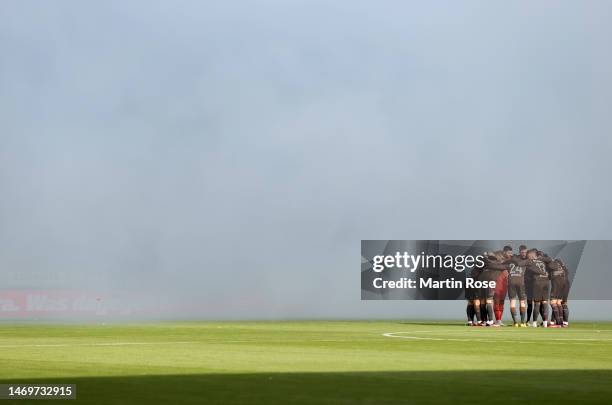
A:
{"x": 226, "y": 160}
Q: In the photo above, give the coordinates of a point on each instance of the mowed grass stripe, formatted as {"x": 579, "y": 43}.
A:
{"x": 310, "y": 362}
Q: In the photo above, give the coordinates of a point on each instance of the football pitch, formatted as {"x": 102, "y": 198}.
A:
{"x": 306, "y": 362}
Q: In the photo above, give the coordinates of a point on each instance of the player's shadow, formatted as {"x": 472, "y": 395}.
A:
{"x": 385, "y": 387}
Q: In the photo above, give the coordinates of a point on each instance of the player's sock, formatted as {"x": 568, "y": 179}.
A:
{"x": 565, "y": 312}
{"x": 499, "y": 310}
{"x": 544, "y": 311}
{"x": 522, "y": 311}
{"x": 483, "y": 311}
{"x": 529, "y": 310}
{"x": 490, "y": 312}
{"x": 557, "y": 314}
{"x": 536, "y": 311}
{"x": 470, "y": 312}
{"x": 513, "y": 313}
{"x": 552, "y": 313}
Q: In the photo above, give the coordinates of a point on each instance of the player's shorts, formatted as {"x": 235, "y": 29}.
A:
{"x": 529, "y": 289}
{"x": 483, "y": 293}
{"x": 471, "y": 293}
{"x": 474, "y": 293}
{"x": 566, "y": 290}
{"x": 488, "y": 293}
{"x": 541, "y": 289}
{"x": 557, "y": 288}
{"x": 516, "y": 289}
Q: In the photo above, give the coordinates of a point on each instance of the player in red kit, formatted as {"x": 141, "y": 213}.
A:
{"x": 501, "y": 289}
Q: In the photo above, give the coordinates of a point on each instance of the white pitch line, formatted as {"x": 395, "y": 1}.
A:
{"x": 95, "y": 344}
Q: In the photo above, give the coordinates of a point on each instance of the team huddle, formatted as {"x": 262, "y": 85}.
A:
{"x": 531, "y": 278}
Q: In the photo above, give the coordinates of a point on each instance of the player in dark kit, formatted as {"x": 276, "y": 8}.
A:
{"x": 495, "y": 265}
{"x": 472, "y": 295}
{"x": 529, "y": 280}
{"x": 541, "y": 286}
{"x": 550, "y": 265}
{"x": 564, "y": 296}
{"x": 516, "y": 284}
{"x": 558, "y": 281}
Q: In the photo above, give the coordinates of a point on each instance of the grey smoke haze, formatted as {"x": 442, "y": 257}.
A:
{"x": 236, "y": 154}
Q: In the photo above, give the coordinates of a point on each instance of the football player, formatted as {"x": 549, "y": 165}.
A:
{"x": 516, "y": 285}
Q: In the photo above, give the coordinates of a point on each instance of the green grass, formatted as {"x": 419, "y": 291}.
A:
{"x": 312, "y": 362}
